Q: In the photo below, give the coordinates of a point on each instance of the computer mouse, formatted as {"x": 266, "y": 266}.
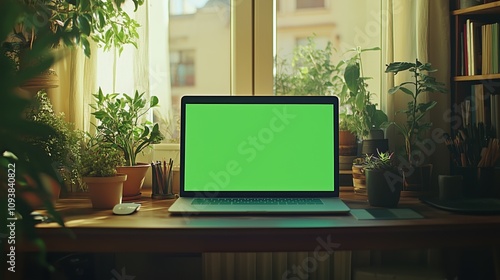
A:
{"x": 126, "y": 208}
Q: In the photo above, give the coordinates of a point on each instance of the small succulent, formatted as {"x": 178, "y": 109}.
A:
{"x": 381, "y": 161}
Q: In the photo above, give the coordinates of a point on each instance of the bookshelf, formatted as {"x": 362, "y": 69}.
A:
{"x": 475, "y": 93}
{"x": 475, "y": 68}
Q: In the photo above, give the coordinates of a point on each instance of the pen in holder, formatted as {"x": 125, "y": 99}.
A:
{"x": 162, "y": 179}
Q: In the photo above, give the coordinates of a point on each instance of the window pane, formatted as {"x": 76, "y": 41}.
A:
{"x": 199, "y": 51}
{"x": 182, "y": 68}
{"x": 339, "y": 25}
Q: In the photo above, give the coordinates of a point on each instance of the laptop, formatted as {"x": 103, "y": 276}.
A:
{"x": 259, "y": 154}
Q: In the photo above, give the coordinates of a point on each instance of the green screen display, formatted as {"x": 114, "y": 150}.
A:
{"x": 259, "y": 147}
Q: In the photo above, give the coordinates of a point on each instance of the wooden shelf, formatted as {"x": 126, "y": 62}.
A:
{"x": 489, "y": 8}
{"x": 476, "y": 77}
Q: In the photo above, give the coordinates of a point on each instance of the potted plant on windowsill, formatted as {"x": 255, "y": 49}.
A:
{"x": 122, "y": 123}
{"x": 366, "y": 118}
{"x": 384, "y": 181}
{"x": 417, "y": 173}
{"x": 98, "y": 170}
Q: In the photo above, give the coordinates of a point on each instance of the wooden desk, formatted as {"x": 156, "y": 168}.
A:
{"x": 153, "y": 229}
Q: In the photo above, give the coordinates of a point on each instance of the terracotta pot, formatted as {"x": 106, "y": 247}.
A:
{"x": 135, "y": 179}
{"x": 347, "y": 143}
{"x": 105, "y": 192}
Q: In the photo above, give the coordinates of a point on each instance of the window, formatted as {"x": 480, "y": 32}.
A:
{"x": 182, "y": 68}
{"x": 182, "y": 7}
{"x": 343, "y": 24}
{"x": 223, "y": 47}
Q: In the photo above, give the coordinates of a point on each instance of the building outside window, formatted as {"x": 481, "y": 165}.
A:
{"x": 182, "y": 67}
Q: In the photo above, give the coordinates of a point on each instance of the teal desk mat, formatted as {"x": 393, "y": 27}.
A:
{"x": 385, "y": 214}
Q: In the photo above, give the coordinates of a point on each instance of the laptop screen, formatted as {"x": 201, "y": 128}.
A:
{"x": 259, "y": 145}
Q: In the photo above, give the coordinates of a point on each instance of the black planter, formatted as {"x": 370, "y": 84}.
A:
{"x": 370, "y": 146}
{"x": 383, "y": 187}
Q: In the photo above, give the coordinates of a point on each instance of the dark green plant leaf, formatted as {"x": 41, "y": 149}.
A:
{"x": 154, "y": 101}
{"x": 396, "y": 67}
{"x": 351, "y": 76}
{"x": 83, "y": 25}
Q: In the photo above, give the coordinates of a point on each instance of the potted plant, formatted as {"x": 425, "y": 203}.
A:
{"x": 384, "y": 181}
{"x": 310, "y": 72}
{"x": 122, "y": 123}
{"x": 366, "y": 118}
{"x": 74, "y": 23}
{"x": 67, "y": 23}
{"x": 416, "y": 124}
{"x": 98, "y": 170}
{"x": 62, "y": 146}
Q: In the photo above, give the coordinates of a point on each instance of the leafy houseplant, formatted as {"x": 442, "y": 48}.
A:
{"x": 365, "y": 115}
{"x": 384, "y": 181}
{"x": 98, "y": 169}
{"x": 122, "y": 125}
{"x": 20, "y": 161}
{"x": 74, "y": 22}
{"x": 99, "y": 159}
{"x": 415, "y": 112}
{"x": 63, "y": 146}
{"x": 311, "y": 72}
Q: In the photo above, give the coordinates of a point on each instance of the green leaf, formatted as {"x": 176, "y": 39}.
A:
{"x": 406, "y": 90}
{"x": 83, "y": 25}
{"x": 102, "y": 21}
{"x": 85, "y": 5}
{"x": 396, "y": 67}
{"x": 86, "y": 46}
{"x": 371, "y": 49}
{"x": 351, "y": 76}
{"x": 393, "y": 90}
{"x": 423, "y": 107}
{"x": 154, "y": 101}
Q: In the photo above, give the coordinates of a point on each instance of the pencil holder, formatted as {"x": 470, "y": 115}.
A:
{"x": 162, "y": 176}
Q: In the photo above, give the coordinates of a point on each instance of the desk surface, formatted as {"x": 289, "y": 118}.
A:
{"x": 153, "y": 229}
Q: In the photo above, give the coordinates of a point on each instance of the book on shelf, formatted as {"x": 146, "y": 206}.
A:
{"x": 479, "y": 48}
{"x": 495, "y": 56}
{"x": 478, "y": 107}
{"x": 489, "y": 41}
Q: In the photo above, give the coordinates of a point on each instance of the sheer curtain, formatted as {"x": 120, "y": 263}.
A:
{"x": 419, "y": 29}
{"x": 145, "y": 69}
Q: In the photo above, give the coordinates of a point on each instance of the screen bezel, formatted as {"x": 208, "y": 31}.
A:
{"x": 329, "y": 100}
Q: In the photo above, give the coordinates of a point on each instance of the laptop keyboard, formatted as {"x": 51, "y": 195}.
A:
{"x": 255, "y": 201}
